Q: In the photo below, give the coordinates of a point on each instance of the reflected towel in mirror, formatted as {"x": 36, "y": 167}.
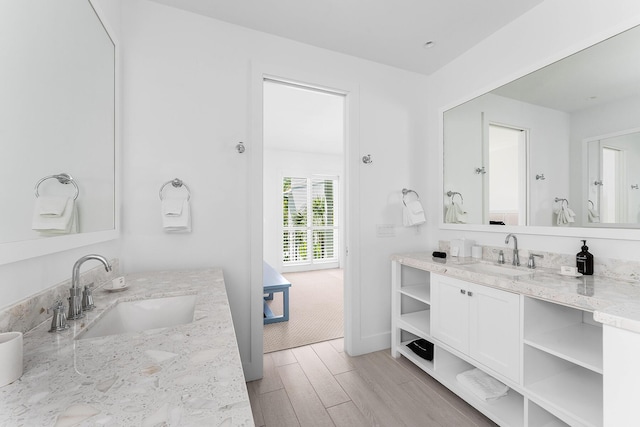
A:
{"x": 593, "y": 215}
{"x": 564, "y": 215}
{"x": 455, "y": 214}
{"x": 413, "y": 213}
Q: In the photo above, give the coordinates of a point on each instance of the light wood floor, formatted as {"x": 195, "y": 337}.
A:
{"x": 320, "y": 385}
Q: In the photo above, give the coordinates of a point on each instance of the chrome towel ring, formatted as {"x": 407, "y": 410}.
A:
{"x": 565, "y": 202}
{"x": 177, "y": 183}
{"x": 407, "y": 191}
{"x": 452, "y": 194}
{"x": 63, "y": 178}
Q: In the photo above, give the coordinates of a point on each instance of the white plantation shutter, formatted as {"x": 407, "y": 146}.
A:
{"x": 310, "y": 228}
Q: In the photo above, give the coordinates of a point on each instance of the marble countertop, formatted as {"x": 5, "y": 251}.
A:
{"x": 614, "y": 302}
{"x": 188, "y": 375}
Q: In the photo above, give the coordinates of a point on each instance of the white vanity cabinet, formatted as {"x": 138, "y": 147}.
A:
{"x": 550, "y": 355}
{"x": 479, "y": 321}
{"x": 468, "y": 326}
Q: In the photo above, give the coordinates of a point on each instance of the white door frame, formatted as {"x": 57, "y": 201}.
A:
{"x": 255, "y": 147}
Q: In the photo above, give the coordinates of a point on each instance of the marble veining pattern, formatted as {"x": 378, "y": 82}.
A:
{"x": 188, "y": 375}
{"x": 599, "y": 294}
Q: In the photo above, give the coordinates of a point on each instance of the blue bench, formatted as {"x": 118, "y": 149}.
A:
{"x": 272, "y": 282}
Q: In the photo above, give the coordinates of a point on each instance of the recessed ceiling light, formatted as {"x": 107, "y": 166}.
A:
{"x": 428, "y": 44}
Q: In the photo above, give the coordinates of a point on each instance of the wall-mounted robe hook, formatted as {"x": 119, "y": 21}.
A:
{"x": 240, "y": 147}
{"x": 481, "y": 170}
{"x": 540, "y": 177}
{"x": 367, "y": 160}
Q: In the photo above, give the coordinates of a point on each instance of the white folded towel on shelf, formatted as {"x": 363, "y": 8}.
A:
{"x": 455, "y": 214}
{"x": 49, "y": 219}
{"x": 482, "y": 385}
{"x": 176, "y": 215}
{"x": 413, "y": 213}
{"x": 593, "y": 215}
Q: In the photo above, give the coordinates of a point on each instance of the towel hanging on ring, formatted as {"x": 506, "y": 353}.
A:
{"x": 412, "y": 211}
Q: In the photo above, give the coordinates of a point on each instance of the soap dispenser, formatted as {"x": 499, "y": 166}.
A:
{"x": 584, "y": 260}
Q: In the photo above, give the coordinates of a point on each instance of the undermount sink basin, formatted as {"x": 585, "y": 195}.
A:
{"x": 497, "y": 269}
{"x": 140, "y": 315}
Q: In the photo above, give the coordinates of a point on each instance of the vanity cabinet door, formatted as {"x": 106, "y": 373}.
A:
{"x": 494, "y": 329}
{"x": 450, "y": 312}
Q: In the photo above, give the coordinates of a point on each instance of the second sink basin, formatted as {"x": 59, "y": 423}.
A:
{"x": 497, "y": 269}
{"x": 140, "y": 315}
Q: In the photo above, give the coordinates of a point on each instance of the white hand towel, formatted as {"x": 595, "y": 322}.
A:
{"x": 51, "y": 225}
{"x": 51, "y": 206}
{"x": 482, "y": 385}
{"x": 461, "y": 215}
{"x": 178, "y": 223}
{"x": 172, "y": 206}
{"x": 593, "y": 215}
{"x": 455, "y": 214}
{"x": 413, "y": 213}
{"x": 569, "y": 215}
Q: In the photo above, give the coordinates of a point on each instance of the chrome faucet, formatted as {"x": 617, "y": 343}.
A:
{"x": 75, "y": 298}
{"x": 516, "y": 257}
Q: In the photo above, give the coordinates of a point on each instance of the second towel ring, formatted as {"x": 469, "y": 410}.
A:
{"x": 452, "y": 194}
{"x": 177, "y": 183}
{"x": 406, "y": 191}
{"x": 63, "y": 178}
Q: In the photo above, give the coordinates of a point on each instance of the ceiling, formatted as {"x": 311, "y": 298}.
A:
{"x": 601, "y": 74}
{"x": 391, "y": 32}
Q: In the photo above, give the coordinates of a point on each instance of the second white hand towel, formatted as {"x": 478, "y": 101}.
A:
{"x": 413, "y": 213}
{"x": 176, "y": 215}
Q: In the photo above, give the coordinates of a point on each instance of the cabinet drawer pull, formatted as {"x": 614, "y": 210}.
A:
{"x": 462, "y": 291}
{"x": 470, "y": 293}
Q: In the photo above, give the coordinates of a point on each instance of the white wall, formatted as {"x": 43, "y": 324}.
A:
{"x": 548, "y": 32}
{"x": 187, "y": 103}
{"x": 277, "y": 164}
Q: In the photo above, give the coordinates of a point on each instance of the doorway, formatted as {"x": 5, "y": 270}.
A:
{"x": 303, "y": 210}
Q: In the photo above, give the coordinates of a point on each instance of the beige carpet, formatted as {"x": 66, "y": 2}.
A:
{"x": 316, "y": 311}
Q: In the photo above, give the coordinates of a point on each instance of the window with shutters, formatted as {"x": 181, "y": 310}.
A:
{"x": 309, "y": 215}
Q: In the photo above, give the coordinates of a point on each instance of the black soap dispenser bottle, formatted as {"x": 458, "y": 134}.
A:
{"x": 584, "y": 260}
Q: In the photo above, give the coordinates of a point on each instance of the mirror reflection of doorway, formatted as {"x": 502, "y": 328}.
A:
{"x": 303, "y": 205}
{"x": 612, "y": 200}
{"x": 507, "y": 175}
{"x": 612, "y": 185}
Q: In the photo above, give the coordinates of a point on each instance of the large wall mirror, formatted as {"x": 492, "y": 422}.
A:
{"x": 559, "y": 147}
{"x": 57, "y": 116}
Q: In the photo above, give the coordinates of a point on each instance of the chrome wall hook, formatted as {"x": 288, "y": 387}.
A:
{"x": 240, "y": 147}
{"x": 481, "y": 170}
{"x": 540, "y": 177}
{"x": 367, "y": 160}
